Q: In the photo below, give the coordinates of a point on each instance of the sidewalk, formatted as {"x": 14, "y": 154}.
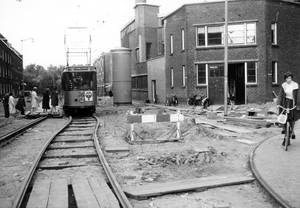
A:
{"x": 279, "y": 170}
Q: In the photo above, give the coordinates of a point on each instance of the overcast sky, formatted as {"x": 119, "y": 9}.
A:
{"x": 46, "y": 21}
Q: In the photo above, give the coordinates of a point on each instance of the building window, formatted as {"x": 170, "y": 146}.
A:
{"x": 172, "y": 77}
{"x": 182, "y": 40}
{"x": 251, "y": 68}
{"x": 250, "y": 33}
{"x": 243, "y": 33}
{"x": 201, "y": 74}
{"x": 201, "y": 36}
{"x": 183, "y": 76}
{"x": 171, "y": 45}
{"x": 0, "y": 71}
{"x": 137, "y": 55}
{"x": 215, "y": 35}
{"x": 148, "y": 51}
{"x": 274, "y": 33}
{"x": 236, "y": 34}
{"x": 140, "y": 82}
{"x": 274, "y": 72}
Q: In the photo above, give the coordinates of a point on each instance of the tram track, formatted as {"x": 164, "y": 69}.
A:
{"x": 70, "y": 171}
{"x": 4, "y": 139}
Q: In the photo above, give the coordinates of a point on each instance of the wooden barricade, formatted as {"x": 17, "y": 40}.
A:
{"x": 154, "y": 118}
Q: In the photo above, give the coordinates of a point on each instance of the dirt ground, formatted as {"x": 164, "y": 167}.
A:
{"x": 205, "y": 150}
{"x": 152, "y": 163}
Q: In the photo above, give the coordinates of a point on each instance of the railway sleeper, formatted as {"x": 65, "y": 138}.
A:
{"x": 80, "y": 193}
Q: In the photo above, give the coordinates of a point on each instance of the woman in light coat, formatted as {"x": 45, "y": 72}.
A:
{"x": 34, "y": 100}
{"x": 12, "y": 105}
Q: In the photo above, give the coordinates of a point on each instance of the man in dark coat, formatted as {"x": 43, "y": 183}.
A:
{"x": 5, "y": 105}
{"x": 46, "y": 100}
{"x": 21, "y": 104}
{"x": 54, "y": 100}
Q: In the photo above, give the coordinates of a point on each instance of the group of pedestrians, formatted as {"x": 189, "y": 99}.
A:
{"x": 46, "y": 100}
{"x": 13, "y": 109}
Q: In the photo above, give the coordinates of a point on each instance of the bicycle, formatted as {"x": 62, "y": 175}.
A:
{"x": 201, "y": 100}
{"x": 283, "y": 119}
{"x": 171, "y": 100}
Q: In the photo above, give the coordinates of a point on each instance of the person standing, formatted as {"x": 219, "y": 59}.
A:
{"x": 34, "y": 100}
{"x": 6, "y": 105}
{"x": 21, "y": 104}
{"x": 54, "y": 100}
{"x": 11, "y": 103}
{"x": 288, "y": 98}
{"x": 46, "y": 100}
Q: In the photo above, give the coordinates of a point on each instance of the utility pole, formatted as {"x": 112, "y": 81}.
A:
{"x": 226, "y": 59}
{"x": 23, "y": 81}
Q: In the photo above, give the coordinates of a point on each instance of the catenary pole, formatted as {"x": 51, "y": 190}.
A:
{"x": 226, "y": 59}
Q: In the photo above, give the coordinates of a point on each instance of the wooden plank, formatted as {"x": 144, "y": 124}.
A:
{"x": 39, "y": 194}
{"x": 77, "y": 133}
{"x": 59, "y": 163}
{"x": 82, "y": 125}
{"x": 143, "y": 192}
{"x": 250, "y": 121}
{"x": 62, "y": 138}
{"x": 116, "y": 149}
{"x": 71, "y": 145}
{"x": 102, "y": 192}
{"x": 222, "y": 126}
{"x": 58, "y": 196}
{"x": 246, "y": 141}
{"x": 84, "y": 194}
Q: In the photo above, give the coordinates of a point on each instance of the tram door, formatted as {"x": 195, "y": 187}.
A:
{"x": 216, "y": 83}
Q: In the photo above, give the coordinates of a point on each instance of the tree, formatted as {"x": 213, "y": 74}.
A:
{"x": 37, "y": 76}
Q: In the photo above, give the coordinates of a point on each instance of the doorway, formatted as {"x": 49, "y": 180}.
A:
{"x": 236, "y": 82}
{"x": 153, "y": 86}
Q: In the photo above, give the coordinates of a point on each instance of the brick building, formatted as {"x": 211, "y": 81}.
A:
{"x": 11, "y": 72}
{"x": 263, "y": 43}
{"x": 104, "y": 74}
{"x": 183, "y": 53}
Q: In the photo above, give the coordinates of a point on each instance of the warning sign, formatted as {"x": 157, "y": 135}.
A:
{"x": 88, "y": 96}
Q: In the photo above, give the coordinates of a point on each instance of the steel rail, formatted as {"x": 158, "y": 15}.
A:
{"x": 6, "y": 137}
{"x": 112, "y": 179}
{"x": 27, "y": 179}
{"x": 263, "y": 183}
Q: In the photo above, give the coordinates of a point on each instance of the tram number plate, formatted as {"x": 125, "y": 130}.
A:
{"x": 88, "y": 96}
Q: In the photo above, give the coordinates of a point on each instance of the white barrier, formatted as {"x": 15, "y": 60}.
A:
{"x": 172, "y": 118}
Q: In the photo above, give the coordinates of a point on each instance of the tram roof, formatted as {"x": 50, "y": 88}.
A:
{"x": 79, "y": 68}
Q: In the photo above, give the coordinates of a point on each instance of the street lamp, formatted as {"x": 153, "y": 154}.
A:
{"x": 23, "y": 83}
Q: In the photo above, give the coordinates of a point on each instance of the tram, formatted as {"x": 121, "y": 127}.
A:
{"x": 79, "y": 86}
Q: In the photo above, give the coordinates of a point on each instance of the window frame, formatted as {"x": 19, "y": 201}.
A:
{"x": 245, "y": 30}
{"x": 197, "y": 74}
{"x": 182, "y": 40}
{"x": 274, "y": 72}
{"x": 172, "y": 77}
{"x": 171, "y": 45}
{"x": 137, "y": 55}
{"x": 274, "y": 33}
{"x": 247, "y": 70}
{"x": 183, "y": 76}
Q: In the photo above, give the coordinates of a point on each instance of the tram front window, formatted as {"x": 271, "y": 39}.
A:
{"x": 79, "y": 81}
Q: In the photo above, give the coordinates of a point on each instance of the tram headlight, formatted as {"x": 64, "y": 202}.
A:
{"x": 81, "y": 100}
